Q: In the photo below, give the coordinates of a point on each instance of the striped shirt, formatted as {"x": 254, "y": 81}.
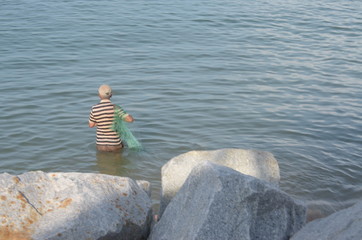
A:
{"x": 103, "y": 115}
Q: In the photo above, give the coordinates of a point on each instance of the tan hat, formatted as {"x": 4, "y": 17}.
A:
{"x": 105, "y": 91}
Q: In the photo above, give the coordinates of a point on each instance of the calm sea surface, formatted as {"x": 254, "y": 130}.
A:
{"x": 278, "y": 76}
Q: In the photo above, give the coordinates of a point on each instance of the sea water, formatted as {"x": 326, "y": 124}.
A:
{"x": 278, "y": 76}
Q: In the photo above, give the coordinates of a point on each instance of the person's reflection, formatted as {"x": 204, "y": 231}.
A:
{"x": 112, "y": 163}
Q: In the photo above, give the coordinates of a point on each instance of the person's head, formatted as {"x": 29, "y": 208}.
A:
{"x": 105, "y": 92}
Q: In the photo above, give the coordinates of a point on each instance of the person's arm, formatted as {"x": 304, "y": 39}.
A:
{"x": 128, "y": 118}
{"x": 123, "y": 115}
{"x": 92, "y": 124}
{"x": 91, "y": 121}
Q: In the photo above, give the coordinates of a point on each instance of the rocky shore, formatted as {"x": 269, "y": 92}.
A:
{"x": 221, "y": 194}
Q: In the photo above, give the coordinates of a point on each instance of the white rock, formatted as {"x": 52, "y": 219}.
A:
{"x": 342, "y": 225}
{"x": 217, "y": 202}
{"x": 38, "y": 206}
{"x": 255, "y": 163}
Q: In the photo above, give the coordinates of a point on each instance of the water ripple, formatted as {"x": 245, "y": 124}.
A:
{"x": 272, "y": 75}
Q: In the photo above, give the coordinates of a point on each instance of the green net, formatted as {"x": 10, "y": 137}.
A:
{"x": 124, "y": 132}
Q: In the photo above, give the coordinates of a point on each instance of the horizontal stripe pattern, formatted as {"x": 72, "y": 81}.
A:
{"x": 103, "y": 115}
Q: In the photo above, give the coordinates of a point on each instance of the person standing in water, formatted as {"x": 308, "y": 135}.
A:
{"x": 102, "y": 117}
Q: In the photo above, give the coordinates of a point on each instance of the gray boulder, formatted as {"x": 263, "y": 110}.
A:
{"x": 217, "y": 202}
{"x": 342, "y": 225}
{"x": 255, "y": 163}
{"x": 39, "y": 206}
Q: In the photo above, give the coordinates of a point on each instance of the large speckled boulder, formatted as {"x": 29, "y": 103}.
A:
{"x": 217, "y": 202}
{"x": 342, "y": 225}
{"x": 38, "y": 206}
{"x": 255, "y": 163}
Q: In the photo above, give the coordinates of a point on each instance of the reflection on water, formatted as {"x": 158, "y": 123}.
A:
{"x": 112, "y": 163}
